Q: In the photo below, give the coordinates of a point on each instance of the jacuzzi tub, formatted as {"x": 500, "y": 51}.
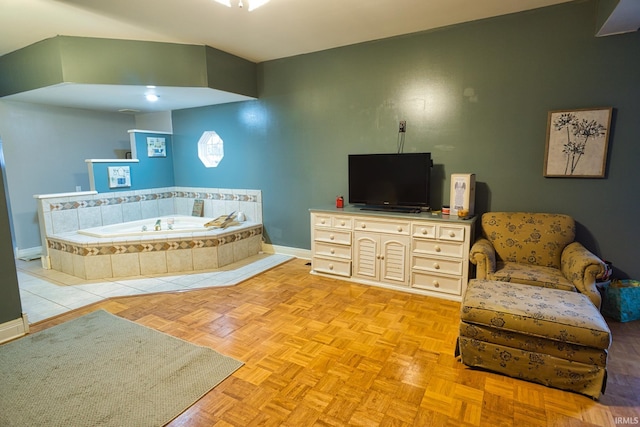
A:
{"x": 120, "y": 250}
{"x": 146, "y": 227}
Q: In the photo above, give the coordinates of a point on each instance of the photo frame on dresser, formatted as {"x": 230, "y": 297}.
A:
{"x": 577, "y": 143}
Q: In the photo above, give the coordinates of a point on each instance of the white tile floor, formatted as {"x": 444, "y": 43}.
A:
{"x": 47, "y": 293}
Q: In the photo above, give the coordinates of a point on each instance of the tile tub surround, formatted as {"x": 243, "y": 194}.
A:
{"x": 61, "y": 214}
{"x": 91, "y": 257}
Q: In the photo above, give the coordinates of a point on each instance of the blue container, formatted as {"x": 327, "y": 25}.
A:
{"x": 621, "y": 300}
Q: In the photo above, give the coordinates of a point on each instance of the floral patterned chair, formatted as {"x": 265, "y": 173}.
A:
{"x": 536, "y": 249}
{"x": 522, "y": 316}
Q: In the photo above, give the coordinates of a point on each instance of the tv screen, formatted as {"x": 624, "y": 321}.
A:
{"x": 390, "y": 180}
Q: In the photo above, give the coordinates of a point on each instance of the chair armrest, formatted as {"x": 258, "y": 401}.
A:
{"x": 483, "y": 255}
{"x": 582, "y": 268}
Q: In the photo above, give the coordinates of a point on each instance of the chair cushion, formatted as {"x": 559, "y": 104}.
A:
{"x": 535, "y": 275}
{"x": 566, "y": 317}
{"x": 528, "y": 238}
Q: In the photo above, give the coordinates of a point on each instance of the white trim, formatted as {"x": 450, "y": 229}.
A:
{"x": 112, "y": 161}
{"x": 286, "y": 250}
{"x": 14, "y": 328}
{"x": 56, "y": 195}
{"x": 160, "y": 132}
{"x": 29, "y": 253}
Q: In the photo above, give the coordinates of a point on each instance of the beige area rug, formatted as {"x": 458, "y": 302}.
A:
{"x": 102, "y": 370}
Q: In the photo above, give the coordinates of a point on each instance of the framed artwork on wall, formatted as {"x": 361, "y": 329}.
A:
{"x": 577, "y": 142}
{"x": 119, "y": 176}
{"x": 156, "y": 147}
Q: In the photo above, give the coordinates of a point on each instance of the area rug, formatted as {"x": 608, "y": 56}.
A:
{"x": 102, "y": 370}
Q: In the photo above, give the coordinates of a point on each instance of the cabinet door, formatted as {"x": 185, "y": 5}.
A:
{"x": 394, "y": 260}
{"x": 365, "y": 256}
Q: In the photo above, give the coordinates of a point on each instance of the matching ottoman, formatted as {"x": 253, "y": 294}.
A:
{"x": 552, "y": 337}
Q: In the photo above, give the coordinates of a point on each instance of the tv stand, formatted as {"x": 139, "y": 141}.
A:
{"x": 399, "y": 209}
{"x": 422, "y": 253}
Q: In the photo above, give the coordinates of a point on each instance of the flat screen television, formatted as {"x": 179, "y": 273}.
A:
{"x": 390, "y": 181}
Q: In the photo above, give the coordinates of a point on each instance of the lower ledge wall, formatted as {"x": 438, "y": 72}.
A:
{"x": 14, "y": 329}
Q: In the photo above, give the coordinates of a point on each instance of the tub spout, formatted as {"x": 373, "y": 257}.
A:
{"x": 158, "y": 227}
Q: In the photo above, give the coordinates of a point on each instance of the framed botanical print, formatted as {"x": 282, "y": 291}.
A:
{"x": 577, "y": 142}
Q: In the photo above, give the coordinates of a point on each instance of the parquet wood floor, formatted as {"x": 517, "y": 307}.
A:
{"x": 325, "y": 352}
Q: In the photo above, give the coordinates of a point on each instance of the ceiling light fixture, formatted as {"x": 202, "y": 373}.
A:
{"x": 253, "y": 4}
{"x": 152, "y": 97}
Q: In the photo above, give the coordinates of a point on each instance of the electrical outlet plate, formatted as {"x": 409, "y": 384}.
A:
{"x": 403, "y": 126}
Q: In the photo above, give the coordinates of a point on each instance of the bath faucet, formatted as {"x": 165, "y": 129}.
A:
{"x": 157, "y": 226}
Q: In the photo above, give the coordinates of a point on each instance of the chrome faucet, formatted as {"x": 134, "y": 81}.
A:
{"x": 158, "y": 226}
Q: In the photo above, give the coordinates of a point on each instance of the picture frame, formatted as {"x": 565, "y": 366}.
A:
{"x": 577, "y": 143}
{"x": 119, "y": 176}
{"x": 156, "y": 147}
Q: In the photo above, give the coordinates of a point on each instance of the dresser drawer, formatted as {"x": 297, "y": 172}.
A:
{"x": 333, "y": 236}
{"x": 437, "y": 265}
{"x": 342, "y": 222}
{"x": 332, "y": 250}
{"x": 433, "y": 247}
{"x": 335, "y": 266}
{"x": 391, "y": 227}
{"x": 432, "y": 282}
{"x": 451, "y": 232}
{"x": 425, "y": 231}
{"x": 321, "y": 220}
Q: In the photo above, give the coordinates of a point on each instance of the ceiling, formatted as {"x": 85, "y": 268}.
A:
{"x": 279, "y": 29}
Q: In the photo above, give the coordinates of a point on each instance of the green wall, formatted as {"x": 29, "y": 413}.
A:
{"x": 10, "y": 306}
{"x": 124, "y": 62}
{"x": 475, "y": 95}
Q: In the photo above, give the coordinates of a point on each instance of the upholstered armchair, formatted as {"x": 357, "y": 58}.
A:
{"x": 535, "y": 249}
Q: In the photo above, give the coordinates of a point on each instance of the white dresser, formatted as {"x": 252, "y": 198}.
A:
{"x": 421, "y": 253}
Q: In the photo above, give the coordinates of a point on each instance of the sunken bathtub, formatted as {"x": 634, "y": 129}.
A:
{"x": 171, "y": 244}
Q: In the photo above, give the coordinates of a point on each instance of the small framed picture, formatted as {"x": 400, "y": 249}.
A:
{"x": 156, "y": 147}
{"x": 577, "y": 142}
{"x": 119, "y": 176}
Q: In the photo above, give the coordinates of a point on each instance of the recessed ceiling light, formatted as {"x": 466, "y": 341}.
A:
{"x": 253, "y": 4}
{"x": 151, "y": 97}
{"x": 151, "y": 87}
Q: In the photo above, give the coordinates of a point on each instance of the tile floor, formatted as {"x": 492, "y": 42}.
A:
{"x": 47, "y": 293}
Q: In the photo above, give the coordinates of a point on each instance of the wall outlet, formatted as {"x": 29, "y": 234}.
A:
{"x": 403, "y": 126}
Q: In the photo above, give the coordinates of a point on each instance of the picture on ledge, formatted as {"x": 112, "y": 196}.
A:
{"x": 577, "y": 142}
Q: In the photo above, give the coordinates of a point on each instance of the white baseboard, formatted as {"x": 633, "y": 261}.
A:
{"x": 286, "y": 250}
{"x": 14, "y": 329}
{"x": 29, "y": 253}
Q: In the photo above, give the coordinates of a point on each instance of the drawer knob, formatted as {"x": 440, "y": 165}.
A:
{"x": 342, "y": 222}
{"x": 330, "y": 266}
{"x": 322, "y": 221}
{"x": 332, "y": 237}
{"x": 424, "y": 231}
{"x": 436, "y": 284}
{"x": 364, "y": 225}
{"x": 437, "y": 248}
{"x": 436, "y": 266}
{"x": 333, "y": 251}
{"x": 452, "y": 234}
{"x": 399, "y": 229}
